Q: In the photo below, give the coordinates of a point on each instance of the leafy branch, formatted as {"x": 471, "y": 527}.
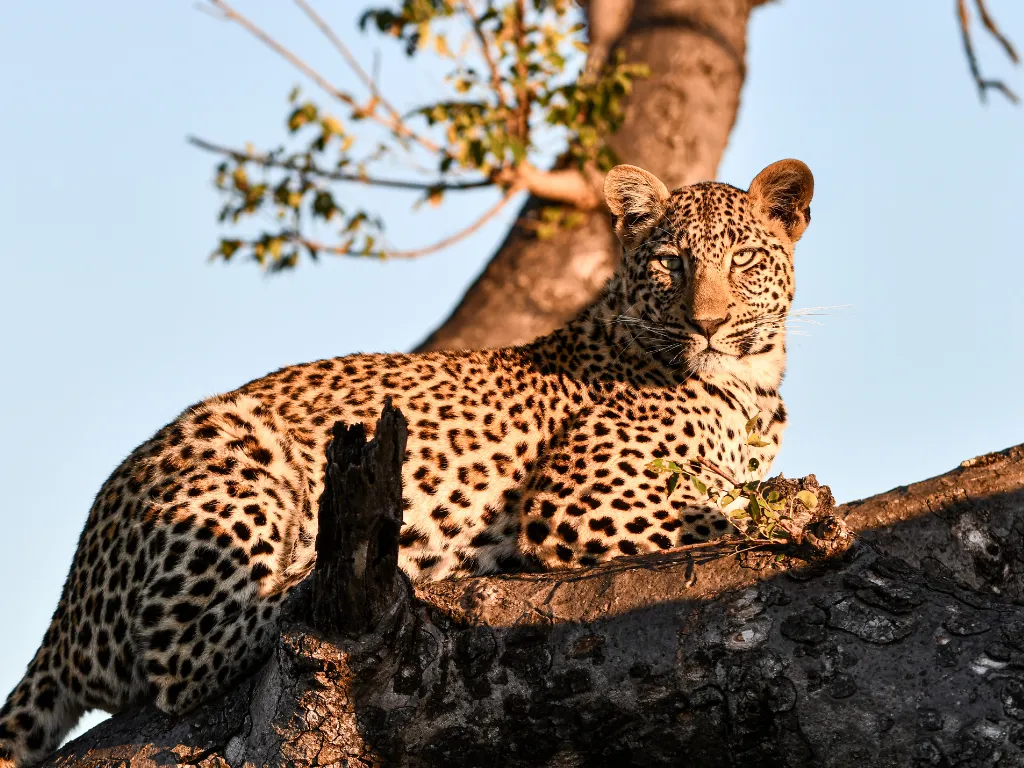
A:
{"x": 758, "y": 513}
{"x": 512, "y": 96}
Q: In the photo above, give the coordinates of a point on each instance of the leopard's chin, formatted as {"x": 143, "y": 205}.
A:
{"x": 709, "y": 360}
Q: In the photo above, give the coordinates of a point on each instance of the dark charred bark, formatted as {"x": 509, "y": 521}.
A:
{"x": 904, "y": 650}
{"x": 356, "y": 578}
{"x": 677, "y": 125}
{"x": 979, "y": 539}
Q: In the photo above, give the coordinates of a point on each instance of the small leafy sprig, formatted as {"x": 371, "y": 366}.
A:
{"x": 759, "y": 514}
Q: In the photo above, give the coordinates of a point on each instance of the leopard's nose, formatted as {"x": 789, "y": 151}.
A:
{"x": 711, "y": 324}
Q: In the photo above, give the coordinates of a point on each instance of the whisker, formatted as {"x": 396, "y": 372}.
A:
{"x": 817, "y": 311}
{"x": 628, "y": 345}
{"x": 665, "y": 347}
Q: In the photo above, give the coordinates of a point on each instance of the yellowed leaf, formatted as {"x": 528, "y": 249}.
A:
{"x": 808, "y": 499}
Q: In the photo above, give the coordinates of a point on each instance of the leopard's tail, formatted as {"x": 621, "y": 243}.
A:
{"x": 41, "y": 709}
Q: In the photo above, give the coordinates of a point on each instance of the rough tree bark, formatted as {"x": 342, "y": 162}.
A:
{"x": 908, "y": 649}
{"x": 677, "y": 125}
{"x": 353, "y": 586}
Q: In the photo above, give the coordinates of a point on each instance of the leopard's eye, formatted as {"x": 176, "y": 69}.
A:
{"x": 744, "y": 258}
{"x": 671, "y": 263}
{"x": 670, "y": 259}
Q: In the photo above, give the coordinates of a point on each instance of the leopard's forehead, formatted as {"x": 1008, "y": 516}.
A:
{"x": 710, "y": 218}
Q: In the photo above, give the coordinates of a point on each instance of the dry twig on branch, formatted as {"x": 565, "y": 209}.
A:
{"x": 985, "y": 84}
{"x": 308, "y": 167}
{"x": 394, "y": 123}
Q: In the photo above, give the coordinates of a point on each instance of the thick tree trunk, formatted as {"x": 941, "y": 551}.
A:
{"x": 677, "y": 125}
{"x": 906, "y": 650}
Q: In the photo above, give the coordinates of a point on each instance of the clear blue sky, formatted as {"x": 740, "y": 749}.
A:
{"x": 113, "y": 321}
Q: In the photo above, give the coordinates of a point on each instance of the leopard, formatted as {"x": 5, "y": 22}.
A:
{"x": 530, "y": 456}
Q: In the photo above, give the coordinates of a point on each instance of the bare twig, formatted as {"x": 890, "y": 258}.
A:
{"x": 982, "y": 83}
{"x": 485, "y": 50}
{"x": 213, "y": 13}
{"x": 230, "y": 14}
{"x": 353, "y": 63}
{"x": 714, "y": 469}
{"x": 564, "y": 186}
{"x": 731, "y": 543}
{"x": 268, "y": 161}
{"x": 397, "y": 127}
{"x": 994, "y": 30}
{"x": 523, "y": 96}
{"x": 417, "y": 252}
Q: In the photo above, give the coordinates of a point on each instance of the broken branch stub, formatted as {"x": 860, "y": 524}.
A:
{"x": 360, "y": 518}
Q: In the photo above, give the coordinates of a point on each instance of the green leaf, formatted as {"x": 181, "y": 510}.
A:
{"x": 699, "y": 485}
{"x": 753, "y": 464}
{"x": 752, "y": 423}
{"x": 756, "y": 441}
{"x": 673, "y": 481}
{"x": 754, "y": 509}
{"x": 808, "y": 499}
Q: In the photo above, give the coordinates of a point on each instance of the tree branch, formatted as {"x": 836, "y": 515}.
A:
{"x": 580, "y": 189}
{"x": 984, "y": 84}
{"x": 269, "y": 161}
{"x": 607, "y": 21}
{"x": 485, "y": 51}
{"x": 570, "y": 186}
{"x": 883, "y": 656}
{"x": 523, "y": 95}
{"x": 990, "y": 25}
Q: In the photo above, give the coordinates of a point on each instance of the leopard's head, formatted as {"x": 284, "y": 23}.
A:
{"x": 707, "y": 276}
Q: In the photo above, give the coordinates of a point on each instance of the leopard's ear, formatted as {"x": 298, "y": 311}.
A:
{"x": 637, "y": 200}
{"x": 782, "y": 192}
